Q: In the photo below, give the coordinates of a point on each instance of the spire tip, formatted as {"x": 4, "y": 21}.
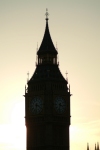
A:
{"x": 47, "y": 14}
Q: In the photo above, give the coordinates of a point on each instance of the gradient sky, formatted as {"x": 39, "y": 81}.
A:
{"x": 75, "y": 27}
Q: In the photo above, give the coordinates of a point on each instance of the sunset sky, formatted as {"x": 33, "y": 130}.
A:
{"x": 75, "y": 27}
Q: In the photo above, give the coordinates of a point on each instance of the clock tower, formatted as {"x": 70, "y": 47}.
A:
{"x": 47, "y": 101}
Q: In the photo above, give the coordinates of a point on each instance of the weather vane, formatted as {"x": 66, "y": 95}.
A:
{"x": 47, "y": 14}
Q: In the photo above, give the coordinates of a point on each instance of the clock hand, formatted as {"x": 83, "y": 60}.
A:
{"x": 59, "y": 106}
{"x": 39, "y": 106}
{"x": 36, "y": 107}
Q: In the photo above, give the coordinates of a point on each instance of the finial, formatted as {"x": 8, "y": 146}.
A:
{"x": 47, "y": 14}
{"x": 71, "y": 95}
{"x": 27, "y": 77}
{"x": 95, "y": 147}
{"x": 66, "y": 75}
{"x": 58, "y": 60}
{"x": 25, "y": 89}
{"x": 37, "y": 46}
{"x": 69, "y": 88}
{"x": 87, "y": 146}
{"x": 56, "y": 46}
{"x": 36, "y": 55}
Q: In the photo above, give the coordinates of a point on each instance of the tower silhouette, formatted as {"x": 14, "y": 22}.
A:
{"x": 47, "y": 101}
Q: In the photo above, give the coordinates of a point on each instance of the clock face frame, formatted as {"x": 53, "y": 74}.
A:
{"x": 60, "y": 105}
{"x": 36, "y": 105}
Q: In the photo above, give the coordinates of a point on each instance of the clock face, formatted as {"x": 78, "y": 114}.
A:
{"x": 36, "y": 105}
{"x": 60, "y": 105}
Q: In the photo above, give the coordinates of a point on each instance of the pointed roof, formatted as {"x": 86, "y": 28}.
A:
{"x": 47, "y": 45}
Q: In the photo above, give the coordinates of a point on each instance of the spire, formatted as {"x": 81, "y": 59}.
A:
{"x": 47, "y": 45}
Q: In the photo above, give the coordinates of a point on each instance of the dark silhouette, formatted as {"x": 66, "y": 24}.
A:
{"x": 47, "y": 101}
